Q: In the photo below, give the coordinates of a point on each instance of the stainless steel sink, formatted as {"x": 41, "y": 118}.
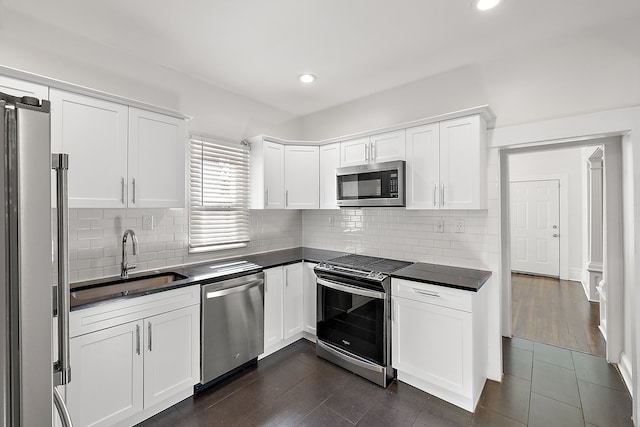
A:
{"x": 122, "y": 287}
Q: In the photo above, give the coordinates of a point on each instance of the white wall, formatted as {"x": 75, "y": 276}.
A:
{"x": 592, "y": 71}
{"x": 48, "y": 51}
{"x": 95, "y": 239}
{"x": 563, "y": 164}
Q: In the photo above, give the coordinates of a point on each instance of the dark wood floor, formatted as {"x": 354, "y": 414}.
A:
{"x": 555, "y": 312}
{"x": 542, "y": 386}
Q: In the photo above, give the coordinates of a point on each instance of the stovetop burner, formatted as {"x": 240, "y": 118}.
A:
{"x": 368, "y": 263}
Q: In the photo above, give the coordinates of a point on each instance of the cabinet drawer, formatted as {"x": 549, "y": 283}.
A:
{"x": 120, "y": 311}
{"x": 432, "y": 294}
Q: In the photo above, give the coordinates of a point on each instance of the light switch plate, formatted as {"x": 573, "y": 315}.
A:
{"x": 147, "y": 222}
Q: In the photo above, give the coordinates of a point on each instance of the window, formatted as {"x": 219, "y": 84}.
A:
{"x": 218, "y": 195}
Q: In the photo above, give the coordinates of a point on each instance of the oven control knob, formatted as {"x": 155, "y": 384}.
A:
{"x": 380, "y": 276}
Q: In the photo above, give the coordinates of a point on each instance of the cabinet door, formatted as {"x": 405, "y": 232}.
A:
{"x": 387, "y": 147}
{"x": 301, "y": 176}
{"x": 354, "y": 152}
{"x": 106, "y": 383}
{"x": 273, "y": 175}
{"x": 329, "y": 162}
{"x": 157, "y": 148}
{"x": 463, "y": 179}
{"x": 94, "y": 134}
{"x": 423, "y": 164}
{"x": 17, "y": 87}
{"x": 292, "y": 300}
{"x": 171, "y": 353}
{"x": 272, "y": 306}
{"x": 309, "y": 295}
{"x": 432, "y": 343}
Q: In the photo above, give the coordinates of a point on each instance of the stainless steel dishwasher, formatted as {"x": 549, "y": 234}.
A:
{"x": 232, "y": 324}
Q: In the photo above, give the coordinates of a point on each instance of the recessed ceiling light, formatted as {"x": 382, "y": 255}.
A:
{"x": 307, "y": 78}
{"x": 485, "y": 4}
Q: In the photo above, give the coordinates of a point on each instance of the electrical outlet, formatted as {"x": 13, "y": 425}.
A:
{"x": 147, "y": 222}
{"x": 439, "y": 227}
{"x": 459, "y": 225}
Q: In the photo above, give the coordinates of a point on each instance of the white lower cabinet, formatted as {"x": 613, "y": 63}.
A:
{"x": 310, "y": 296}
{"x": 283, "y": 306}
{"x": 439, "y": 340}
{"x": 126, "y": 373}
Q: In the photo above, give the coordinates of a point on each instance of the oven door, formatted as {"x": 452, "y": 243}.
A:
{"x": 353, "y": 319}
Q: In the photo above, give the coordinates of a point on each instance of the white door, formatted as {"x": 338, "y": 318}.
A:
{"x": 535, "y": 221}
{"x": 157, "y": 148}
{"x": 329, "y": 162}
{"x": 423, "y": 167}
{"x": 387, "y": 147}
{"x": 301, "y": 176}
{"x": 272, "y": 306}
{"x": 292, "y": 300}
{"x": 273, "y": 175}
{"x": 94, "y": 134}
{"x": 107, "y": 384}
{"x": 354, "y": 152}
{"x": 309, "y": 294}
{"x": 171, "y": 353}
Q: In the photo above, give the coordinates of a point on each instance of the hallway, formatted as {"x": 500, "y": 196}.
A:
{"x": 555, "y": 312}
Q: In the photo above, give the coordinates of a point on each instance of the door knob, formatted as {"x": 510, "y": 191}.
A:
{"x": 555, "y": 234}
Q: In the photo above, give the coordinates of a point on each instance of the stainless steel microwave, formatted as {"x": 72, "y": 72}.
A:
{"x": 375, "y": 184}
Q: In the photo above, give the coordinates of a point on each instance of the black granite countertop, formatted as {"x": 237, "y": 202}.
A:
{"x": 442, "y": 275}
{"x": 199, "y": 274}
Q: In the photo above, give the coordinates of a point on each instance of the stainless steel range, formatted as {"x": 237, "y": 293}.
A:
{"x": 354, "y": 309}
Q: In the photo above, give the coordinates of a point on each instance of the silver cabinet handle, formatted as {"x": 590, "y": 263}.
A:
{"x": 266, "y": 197}
{"x": 442, "y": 196}
{"x": 122, "y": 185}
{"x": 427, "y": 293}
{"x": 286, "y": 199}
{"x": 150, "y": 334}
{"x": 555, "y": 234}
{"x": 133, "y": 198}
{"x": 138, "y": 340}
{"x": 435, "y": 197}
{"x": 366, "y": 152}
{"x": 373, "y": 151}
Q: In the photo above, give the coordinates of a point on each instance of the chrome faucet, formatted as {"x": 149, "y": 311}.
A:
{"x": 124, "y": 266}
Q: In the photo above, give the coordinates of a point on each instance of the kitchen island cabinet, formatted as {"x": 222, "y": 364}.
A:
{"x": 439, "y": 340}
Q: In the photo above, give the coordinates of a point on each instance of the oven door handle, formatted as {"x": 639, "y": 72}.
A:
{"x": 350, "y": 289}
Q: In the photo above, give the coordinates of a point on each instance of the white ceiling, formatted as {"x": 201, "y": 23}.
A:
{"x": 257, "y": 48}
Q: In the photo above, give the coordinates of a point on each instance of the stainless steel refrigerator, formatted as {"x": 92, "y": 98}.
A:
{"x": 28, "y": 373}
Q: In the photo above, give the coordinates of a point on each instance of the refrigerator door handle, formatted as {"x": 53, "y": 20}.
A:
{"x": 65, "y": 418}
{"x": 61, "y": 368}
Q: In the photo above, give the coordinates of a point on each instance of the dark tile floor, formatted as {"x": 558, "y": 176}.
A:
{"x": 543, "y": 386}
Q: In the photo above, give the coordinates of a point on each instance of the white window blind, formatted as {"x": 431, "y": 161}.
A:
{"x": 218, "y": 195}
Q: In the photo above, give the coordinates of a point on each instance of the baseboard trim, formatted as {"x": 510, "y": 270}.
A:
{"x": 625, "y": 370}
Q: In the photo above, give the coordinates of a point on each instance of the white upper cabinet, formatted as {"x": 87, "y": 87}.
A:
{"x": 446, "y": 165}
{"x": 94, "y": 134}
{"x": 387, "y": 147}
{"x": 283, "y": 176}
{"x": 423, "y": 167}
{"x": 118, "y": 156}
{"x": 157, "y": 147}
{"x": 463, "y": 163}
{"x": 354, "y": 152}
{"x": 329, "y": 162}
{"x": 16, "y": 87}
{"x": 301, "y": 174}
{"x": 384, "y": 147}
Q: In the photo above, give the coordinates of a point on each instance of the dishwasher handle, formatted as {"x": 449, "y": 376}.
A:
{"x": 235, "y": 289}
